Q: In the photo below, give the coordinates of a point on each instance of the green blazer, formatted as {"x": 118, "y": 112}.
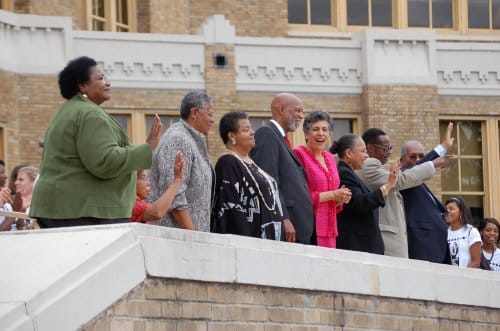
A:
{"x": 88, "y": 166}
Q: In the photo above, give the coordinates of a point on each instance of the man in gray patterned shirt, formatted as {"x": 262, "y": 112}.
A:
{"x": 191, "y": 206}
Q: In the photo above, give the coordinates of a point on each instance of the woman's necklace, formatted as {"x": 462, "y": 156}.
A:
{"x": 263, "y": 174}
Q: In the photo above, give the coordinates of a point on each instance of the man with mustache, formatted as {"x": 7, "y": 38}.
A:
{"x": 273, "y": 153}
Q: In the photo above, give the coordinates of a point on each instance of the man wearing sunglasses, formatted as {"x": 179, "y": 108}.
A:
{"x": 374, "y": 174}
{"x": 427, "y": 231}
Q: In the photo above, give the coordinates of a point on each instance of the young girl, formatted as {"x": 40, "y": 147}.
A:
{"x": 464, "y": 240}
{"x": 489, "y": 229}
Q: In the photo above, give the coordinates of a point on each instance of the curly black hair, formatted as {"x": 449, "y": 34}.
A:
{"x": 76, "y": 72}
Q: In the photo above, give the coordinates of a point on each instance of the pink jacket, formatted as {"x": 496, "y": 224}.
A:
{"x": 321, "y": 180}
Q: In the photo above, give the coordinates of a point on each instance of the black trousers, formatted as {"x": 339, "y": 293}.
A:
{"x": 82, "y": 221}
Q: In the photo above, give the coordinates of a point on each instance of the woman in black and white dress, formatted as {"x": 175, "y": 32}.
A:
{"x": 247, "y": 201}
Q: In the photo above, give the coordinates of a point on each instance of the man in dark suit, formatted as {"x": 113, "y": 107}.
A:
{"x": 273, "y": 153}
{"x": 427, "y": 231}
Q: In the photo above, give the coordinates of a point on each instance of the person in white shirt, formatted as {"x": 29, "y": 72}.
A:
{"x": 489, "y": 229}
{"x": 464, "y": 240}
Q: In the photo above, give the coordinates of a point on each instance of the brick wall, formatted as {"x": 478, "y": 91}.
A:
{"x": 74, "y": 9}
{"x": 405, "y": 113}
{"x": 166, "y": 304}
{"x": 250, "y": 18}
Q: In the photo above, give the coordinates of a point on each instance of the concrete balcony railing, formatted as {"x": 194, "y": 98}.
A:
{"x": 131, "y": 276}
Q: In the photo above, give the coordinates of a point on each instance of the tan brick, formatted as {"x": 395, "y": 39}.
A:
{"x": 141, "y": 308}
{"x": 220, "y": 293}
{"x": 234, "y": 326}
{"x": 171, "y": 309}
{"x": 192, "y": 291}
{"x": 183, "y": 325}
{"x": 288, "y": 299}
{"x": 474, "y": 314}
{"x": 122, "y": 325}
{"x": 159, "y": 289}
{"x": 239, "y": 313}
{"x": 288, "y": 315}
{"x": 195, "y": 310}
{"x": 358, "y": 303}
{"x": 160, "y": 325}
{"x": 425, "y": 324}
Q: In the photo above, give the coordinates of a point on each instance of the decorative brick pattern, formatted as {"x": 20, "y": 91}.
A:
{"x": 166, "y": 304}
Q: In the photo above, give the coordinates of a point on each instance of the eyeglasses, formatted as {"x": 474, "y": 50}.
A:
{"x": 384, "y": 148}
{"x": 211, "y": 115}
{"x": 103, "y": 78}
{"x": 415, "y": 156}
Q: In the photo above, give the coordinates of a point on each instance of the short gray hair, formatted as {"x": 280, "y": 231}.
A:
{"x": 316, "y": 116}
{"x": 194, "y": 99}
{"x": 405, "y": 146}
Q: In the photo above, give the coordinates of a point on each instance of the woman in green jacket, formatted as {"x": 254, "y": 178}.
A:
{"x": 88, "y": 169}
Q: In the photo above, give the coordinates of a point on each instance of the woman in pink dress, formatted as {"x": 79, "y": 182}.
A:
{"x": 322, "y": 177}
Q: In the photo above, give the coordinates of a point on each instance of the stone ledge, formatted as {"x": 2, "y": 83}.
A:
{"x": 74, "y": 266}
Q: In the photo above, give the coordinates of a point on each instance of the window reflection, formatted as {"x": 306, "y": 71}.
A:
{"x": 297, "y": 11}
{"x": 321, "y": 12}
{"x": 442, "y": 14}
{"x": 418, "y": 13}
{"x": 123, "y": 120}
{"x": 357, "y": 12}
{"x": 342, "y": 127}
{"x": 167, "y": 121}
{"x": 479, "y": 14}
{"x": 464, "y": 174}
{"x": 381, "y": 13}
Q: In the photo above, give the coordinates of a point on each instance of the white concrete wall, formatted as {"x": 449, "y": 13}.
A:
{"x": 458, "y": 65}
{"x": 50, "y": 277}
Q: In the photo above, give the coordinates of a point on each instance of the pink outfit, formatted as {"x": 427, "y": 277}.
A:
{"x": 321, "y": 180}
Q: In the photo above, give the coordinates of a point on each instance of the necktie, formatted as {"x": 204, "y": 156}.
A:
{"x": 288, "y": 141}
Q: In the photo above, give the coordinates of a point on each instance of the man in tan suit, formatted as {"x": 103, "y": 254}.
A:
{"x": 392, "y": 216}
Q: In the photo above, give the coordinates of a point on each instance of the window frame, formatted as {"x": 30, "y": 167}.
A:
{"x": 490, "y": 131}
{"x": 6, "y": 5}
{"x": 110, "y": 16}
{"x": 399, "y": 20}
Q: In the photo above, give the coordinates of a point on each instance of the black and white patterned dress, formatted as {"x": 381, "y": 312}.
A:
{"x": 247, "y": 200}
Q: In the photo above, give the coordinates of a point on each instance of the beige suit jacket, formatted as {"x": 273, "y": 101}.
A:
{"x": 392, "y": 216}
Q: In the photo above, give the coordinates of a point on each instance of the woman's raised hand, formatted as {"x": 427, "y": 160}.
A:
{"x": 155, "y": 133}
{"x": 179, "y": 166}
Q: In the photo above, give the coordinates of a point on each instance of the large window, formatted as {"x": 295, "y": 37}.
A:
{"x": 111, "y": 15}
{"x": 484, "y": 14}
{"x": 317, "y": 12}
{"x": 369, "y": 12}
{"x": 464, "y": 175}
{"x": 430, "y": 13}
{"x": 448, "y": 16}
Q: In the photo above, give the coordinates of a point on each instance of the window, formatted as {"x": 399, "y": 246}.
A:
{"x": 369, "y": 12}
{"x": 258, "y": 122}
{"x": 430, "y": 13}
{"x": 317, "y": 12}
{"x": 341, "y": 127}
{"x": 124, "y": 121}
{"x": 484, "y": 14}
{"x": 464, "y": 174}
{"x": 167, "y": 121}
{"x": 112, "y": 15}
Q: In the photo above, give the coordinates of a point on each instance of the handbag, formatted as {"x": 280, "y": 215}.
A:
{"x": 485, "y": 263}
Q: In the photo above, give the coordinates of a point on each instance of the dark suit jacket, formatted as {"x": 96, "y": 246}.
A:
{"x": 274, "y": 156}
{"x": 358, "y": 221}
{"x": 427, "y": 231}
